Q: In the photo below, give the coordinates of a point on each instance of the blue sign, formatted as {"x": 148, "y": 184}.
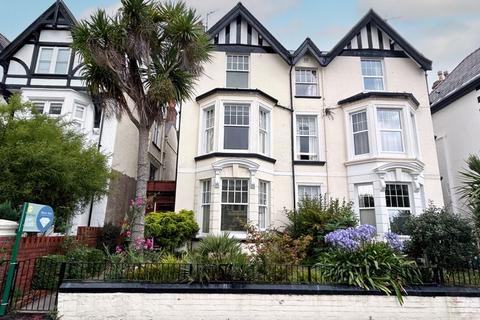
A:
{"x": 39, "y": 218}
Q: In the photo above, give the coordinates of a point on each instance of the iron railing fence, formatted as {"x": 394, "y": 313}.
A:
{"x": 37, "y": 281}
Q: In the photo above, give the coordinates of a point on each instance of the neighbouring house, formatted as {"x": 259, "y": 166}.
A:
{"x": 41, "y": 65}
{"x": 268, "y": 127}
{"x": 455, "y": 107}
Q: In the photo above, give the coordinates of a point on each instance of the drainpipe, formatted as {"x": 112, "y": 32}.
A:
{"x": 178, "y": 147}
{"x": 324, "y": 116}
{"x": 99, "y": 146}
{"x": 292, "y": 139}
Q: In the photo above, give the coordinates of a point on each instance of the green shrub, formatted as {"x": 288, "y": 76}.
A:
{"x": 218, "y": 258}
{"x": 443, "y": 238}
{"x": 316, "y": 218}
{"x": 84, "y": 262}
{"x": 171, "y": 230}
{"x": 373, "y": 266}
{"x": 7, "y": 212}
{"x": 109, "y": 238}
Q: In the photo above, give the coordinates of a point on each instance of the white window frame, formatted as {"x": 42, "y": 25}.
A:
{"x": 53, "y": 61}
{"x": 155, "y": 131}
{"x": 206, "y": 129}
{"x": 247, "y": 71}
{"x": 401, "y": 111}
{"x": 307, "y": 184}
{"x": 373, "y": 77}
{"x": 350, "y": 122}
{"x": 205, "y": 204}
{"x": 264, "y": 133}
{"x": 246, "y": 204}
{"x": 263, "y": 203}
{"x": 360, "y": 208}
{"x": 251, "y": 106}
{"x": 47, "y": 104}
{"x": 315, "y": 82}
{"x": 410, "y": 208}
{"x": 319, "y": 137}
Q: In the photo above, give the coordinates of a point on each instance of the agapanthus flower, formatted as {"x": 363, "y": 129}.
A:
{"x": 343, "y": 238}
{"x": 394, "y": 241}
{"x": 365, "y": 232}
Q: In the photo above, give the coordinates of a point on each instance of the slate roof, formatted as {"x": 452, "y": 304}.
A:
{"x": 458, "y": 82}
{"x": 3, "y": 42}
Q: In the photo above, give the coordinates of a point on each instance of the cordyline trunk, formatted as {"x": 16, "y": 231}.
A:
{"x": 138, "y": 227}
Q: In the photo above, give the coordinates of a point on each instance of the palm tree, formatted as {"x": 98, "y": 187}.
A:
{"x": 470, "y": 189}
{"x": 140, "y": 63}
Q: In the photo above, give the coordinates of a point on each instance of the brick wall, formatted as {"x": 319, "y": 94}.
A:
{"x": 33, "y": 247}
{"x": 201, "y": 306}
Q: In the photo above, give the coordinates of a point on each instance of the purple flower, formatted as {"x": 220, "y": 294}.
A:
{"x": 343, "y": 238}
{"x": 394, "y": 241}
{"x": 365, "y": 232}
{"x": 119, "y": 249}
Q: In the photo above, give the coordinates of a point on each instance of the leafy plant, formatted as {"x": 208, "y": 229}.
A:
{"x": 443, "y": 238}
{"x": 7, "y": 212}
{"x": 470, "y": 189}
{"x": 317, "y": 217}
{"x": 356, "y": 258}
{"x": 171, "y": 230}
{"x": 44, "y": 160}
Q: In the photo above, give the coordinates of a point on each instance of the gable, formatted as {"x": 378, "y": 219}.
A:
{"x": 240, "y": 28}
{"x": 371, "y": 36}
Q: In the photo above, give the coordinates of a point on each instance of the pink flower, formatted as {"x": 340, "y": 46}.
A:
{"x": 119, "y": 249}
{"x": 128, "y": 233}
{"x": 139, "y": 201}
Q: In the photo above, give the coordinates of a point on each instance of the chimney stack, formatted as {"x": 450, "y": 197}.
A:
{"x": 441, "y": 77}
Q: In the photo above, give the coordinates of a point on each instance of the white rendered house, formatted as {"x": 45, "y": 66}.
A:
{"x": 41, "y": 65}
{"x": 455, "y": 106}
{"x": 269, "y": 126}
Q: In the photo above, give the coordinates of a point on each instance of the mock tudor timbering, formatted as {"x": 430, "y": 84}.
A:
{"x": 269, "y": 126}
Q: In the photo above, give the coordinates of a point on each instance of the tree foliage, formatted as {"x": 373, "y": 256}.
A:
{"x": 444, "y": 238}
{"x": 44, "y": 161}
{"x": 470, "y": 189}
{"x": 170, "y": 230}
{"x": 140, "y": 63}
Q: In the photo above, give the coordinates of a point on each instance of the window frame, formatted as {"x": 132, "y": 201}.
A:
{"x": 47, "y": 103}
{"x": 382, "y": 68}
{"x": 205, "y": 203}
{"x": 307, "y": 184}
{"x": 401, "y": 111}
{"x": 231, "y": 70}
{"x": 300, "y": 69}
{"x": 263, "y": 204}
{"x": 410, "y": 208}
{"x": 318, "y": 144}
{"x": 206, "y": 129}
{"x": 228, "y": 203}
{"x": 249, "y": 105}
{"x": 360, "y": 207}
{"x": 265, "y": 131}
{"x": 54, "y": 60}
{"x": 350, "y": 118}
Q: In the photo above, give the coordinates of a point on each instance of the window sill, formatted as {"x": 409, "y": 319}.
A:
{"x": 235, "y": 155}
{"x": 309, "y": 163}
{"x": 308, "y": 97}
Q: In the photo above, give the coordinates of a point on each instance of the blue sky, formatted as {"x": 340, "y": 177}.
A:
{"x": 445, "y": 31}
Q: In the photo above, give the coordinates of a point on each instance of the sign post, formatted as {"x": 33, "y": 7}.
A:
{"x": 34, "y": 218}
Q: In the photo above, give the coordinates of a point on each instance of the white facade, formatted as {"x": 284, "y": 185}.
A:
{"x": 268, "y": 127}
{"x": 41, "y": 66}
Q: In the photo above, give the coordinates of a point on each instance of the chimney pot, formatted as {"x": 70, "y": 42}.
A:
{"x": 440, "y": 75}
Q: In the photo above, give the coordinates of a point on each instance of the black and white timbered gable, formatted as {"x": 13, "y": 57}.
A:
{"x": 240, "y": 31}
{"x": 41, "y": 56}
{"x": 372, "y": 36}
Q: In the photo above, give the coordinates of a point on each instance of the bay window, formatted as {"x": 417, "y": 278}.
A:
{"x": 53, "y": 108}
{"x": 366, "y": 204}
{"x": 263, "y": 190}
{"x": 53, "y": 60}
{"x": 209, "y": 116}
{"x": 390, "y": 129}
{"x": 264, "y": 131}
{"x": 307, "y": 137}
{"x": 372, "y": 73}
{"x": 360, "y": 132}
{"x": 236, "y": 126}
{"x": 234, "y": 204}
{"x": 237, "y": 71}
{"x": 397, "y": 197}
{"x": 306, "y": 83}
{"x": 206, "y": 199}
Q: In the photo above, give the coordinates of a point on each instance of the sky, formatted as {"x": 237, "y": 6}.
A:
{"x": 445, "y": 31}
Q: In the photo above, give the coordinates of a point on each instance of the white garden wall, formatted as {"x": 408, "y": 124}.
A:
{"x": 197, "y": 306}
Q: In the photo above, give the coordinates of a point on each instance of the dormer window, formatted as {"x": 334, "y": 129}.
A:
{"x": 237, "y": 71}
{"x": 53, "y": 60}
{"x": 306, "y": 83}
{"x": 372, "y": 73}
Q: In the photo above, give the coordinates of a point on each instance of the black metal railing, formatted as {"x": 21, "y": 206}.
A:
{"x": 37, "y": 281}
